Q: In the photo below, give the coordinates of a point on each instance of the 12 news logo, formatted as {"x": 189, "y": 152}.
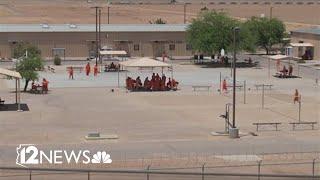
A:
{"x": 28, "y": 154}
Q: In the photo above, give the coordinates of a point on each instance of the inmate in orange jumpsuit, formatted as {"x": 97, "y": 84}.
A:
{"x": 88, "y": 68}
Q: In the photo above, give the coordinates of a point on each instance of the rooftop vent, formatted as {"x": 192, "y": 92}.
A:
{"x": 45, "y": 26}
{"x": 72, "y": 26}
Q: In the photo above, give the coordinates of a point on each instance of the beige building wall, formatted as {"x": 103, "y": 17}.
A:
{"x": 78, "y": 44}
{"x": 307, "y": 38}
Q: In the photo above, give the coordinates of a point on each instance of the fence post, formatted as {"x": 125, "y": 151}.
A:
{"x": 259, "y": 169}
{"x": 244, "y": 91}
{"x": 202, "y": 171}
{"x": 262, "y": 96}
{"x": 148, "y": 168}
{"x": 30, "y": 175}
{"x": 88, "y": 175}
{"x": 313, "y": 167}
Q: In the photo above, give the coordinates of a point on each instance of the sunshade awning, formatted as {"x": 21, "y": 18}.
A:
{"x": 10, "y": 73}
{"x": 301, "y": 44}
{"x": 144, "y": 62}
{"x": 108, "y": 52}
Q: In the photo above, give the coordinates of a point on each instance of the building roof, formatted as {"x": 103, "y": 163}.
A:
{"x": 92, "y": 27}
{"x": 315, "y": 31}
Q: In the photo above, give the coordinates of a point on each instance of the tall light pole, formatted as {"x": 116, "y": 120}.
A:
{"x": 185, "y": 13}
{"x": 97, "y": 44}
{"x": 99, "y": 35}
{"x": 234, "y": 132}
{"x": 108, "y": 14}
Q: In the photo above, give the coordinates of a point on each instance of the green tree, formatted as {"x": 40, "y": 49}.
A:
{"x": 212, "y": 31}
{"x": 267, "y": 32}
{"x": 23, "y": 47}
{"x": 158, "y": 21}
{"x": 28, "y": 66}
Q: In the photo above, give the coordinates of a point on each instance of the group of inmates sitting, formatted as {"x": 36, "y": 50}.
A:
{"x": 286, "y": 72}
{"x": 156, "y": 83}
{"x": 40, "y": 88}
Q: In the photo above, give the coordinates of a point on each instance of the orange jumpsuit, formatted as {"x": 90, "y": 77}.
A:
{"x": 88, "y": 68}
{"x": 95, "y": 70}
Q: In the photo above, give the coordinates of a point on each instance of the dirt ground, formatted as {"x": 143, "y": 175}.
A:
{"x": 70, "y": 11}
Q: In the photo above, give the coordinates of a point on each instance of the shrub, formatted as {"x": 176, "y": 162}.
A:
{"x": 57, "y": 60}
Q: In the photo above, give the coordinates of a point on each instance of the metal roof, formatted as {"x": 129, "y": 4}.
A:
{"x": 92, "y": 27}
{"x": 315, "y": 31}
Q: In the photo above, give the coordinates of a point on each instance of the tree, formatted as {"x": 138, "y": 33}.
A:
{"x": 212, "y": 31}
{"x": 23, "y": 47}
{"x": 267, "y": 32}
{"x": 28, "y": 65}
{"x": 158, "y": 21}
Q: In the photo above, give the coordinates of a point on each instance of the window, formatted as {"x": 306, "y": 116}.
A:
{"x": 136, "y": 47}
{"x": 188, "y": 47}
{"x": 172, "y": 47}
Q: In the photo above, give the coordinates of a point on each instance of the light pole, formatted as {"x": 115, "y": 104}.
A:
{"x": 97, "y": 44}
{"x": 184, "y": 13}
{"x": 234, "y": 132}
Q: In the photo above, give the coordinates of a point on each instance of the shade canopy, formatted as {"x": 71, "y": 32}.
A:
{"x": 278, "y": 57}
{"x": 144, "y": 62}
{"x": 10, "y": 73}
{"x": 109, "y": 52}
{"x": 301, "y": 44}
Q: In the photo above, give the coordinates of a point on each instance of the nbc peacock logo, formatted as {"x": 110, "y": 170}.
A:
{"x": 101, "y": 157}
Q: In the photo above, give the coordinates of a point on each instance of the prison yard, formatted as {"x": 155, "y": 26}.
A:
{"x": 172, "y": 128}
{"x": 161, "y": 88}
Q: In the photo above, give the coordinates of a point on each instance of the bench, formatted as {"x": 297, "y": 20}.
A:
{"x": 265, "y": 85}
{"x": 237, "y": 86}
{"x": 275, "y": 124}
{"x": 201, "y": 87}
{"x": 2, "y": 102}
{"x": 75, "y": 68}
{"x": 51, "y": 69}
{"x": 294, "y": 124}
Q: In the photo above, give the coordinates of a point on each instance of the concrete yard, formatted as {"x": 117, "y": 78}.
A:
{"x": 161, "y": 124}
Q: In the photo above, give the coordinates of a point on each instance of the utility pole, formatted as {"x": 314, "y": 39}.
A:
{"x": 99, "y": 35}
{"x": 185, "y": 13}
{"x": 108, "y": 14}
{"x": 234, "y": 132}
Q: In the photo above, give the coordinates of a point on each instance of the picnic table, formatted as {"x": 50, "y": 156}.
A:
{"x": 265, "y": 85}
{"x": 200, "y": 87}
{"x": 237, "y": 86}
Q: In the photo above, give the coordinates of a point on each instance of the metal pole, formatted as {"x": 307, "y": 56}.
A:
{"x": 184, "y": 13}
{"x": 220, "y": 89}
{"x": 259, "y": 169}
{"x": 148, "y": 168}
{"x": 269, "y": 68}
{"x": 118, "y": 77}
{"x": 234, "y": 78}
{"x": 262, "y": 96}
{"x": 300, "y": 108}
{"x": 271, "y": 12}
{"x": 313, "y": 167}
{"x": 30, "y": 175}
{"x": 16, "y": 90}
{"x": 99, "y": 35}
{"x": 202, "y": 171}
{"x": 96, "y": 36}
{"x": 108, "y": 14}
{"x": 88, "y": 175}
{"x": 244, "y": 91}
{"x": 19, "y": 97}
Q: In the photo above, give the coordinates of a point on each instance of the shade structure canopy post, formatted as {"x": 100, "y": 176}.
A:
{"x": 19, "y": 96}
